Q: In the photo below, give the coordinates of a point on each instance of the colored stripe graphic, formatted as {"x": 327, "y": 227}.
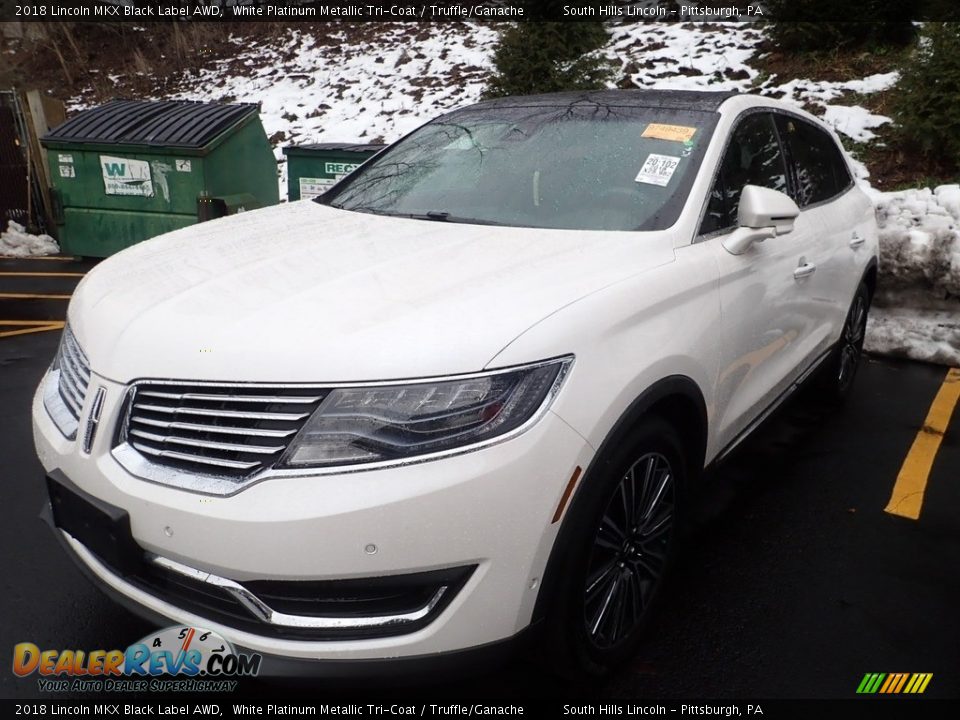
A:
{"x": 899, "y": 687}
{"x": 892, "y": 679}
{"x": 894, "y": 683}
{"x": 870, "y": 683}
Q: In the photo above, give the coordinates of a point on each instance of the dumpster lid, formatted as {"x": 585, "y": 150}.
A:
{"x": 170, "y": 123}
{"x": 344, "y": 147}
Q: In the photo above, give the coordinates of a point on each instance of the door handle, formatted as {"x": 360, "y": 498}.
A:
{"x": 856, "y": 241}
{"x": 804, "y": 270}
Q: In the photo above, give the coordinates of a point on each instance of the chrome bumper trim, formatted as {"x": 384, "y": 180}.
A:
{"x": 268, "y": 615}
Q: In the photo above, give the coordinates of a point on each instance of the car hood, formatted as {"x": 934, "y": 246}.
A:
{"x": 306, "y": 293}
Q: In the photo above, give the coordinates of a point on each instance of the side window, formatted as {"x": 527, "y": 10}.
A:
{"x": 820, "y": 172}
{"x": 753, "y": 157}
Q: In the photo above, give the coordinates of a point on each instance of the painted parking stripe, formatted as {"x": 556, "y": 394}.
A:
{"x": 25, "y": 323}
{"x": 907, "y": 497}
{"x": 41, "y": 258}
{"x": 42, "y": 274}
{"x": 32, "y": 296}
{"x": 32, "y": 327}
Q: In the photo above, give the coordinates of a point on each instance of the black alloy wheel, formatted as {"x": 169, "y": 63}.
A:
{"x": 630, "y": 550}
{"x": 838, "y": 373}
{"x": 615, "y": 551}
{"x": 851, "y": 341}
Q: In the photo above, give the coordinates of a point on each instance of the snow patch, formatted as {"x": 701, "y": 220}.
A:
{"x": 916, "y": 312}
{"x": 15, "y": 241}
{"x": 686, "y": 56}
{"x": 920, "y": 240}
{"x": 855, "y": 122}
{"x": 802, "y": 90}
{"x": 930, "y": 336}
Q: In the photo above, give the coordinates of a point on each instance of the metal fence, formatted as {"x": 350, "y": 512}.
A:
{"x": 21, "y": 198}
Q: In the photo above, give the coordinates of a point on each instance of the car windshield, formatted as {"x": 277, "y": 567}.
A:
{"x": 580, "y": 166}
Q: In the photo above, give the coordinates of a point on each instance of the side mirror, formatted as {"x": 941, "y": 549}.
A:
{"x": 763, "y": 213}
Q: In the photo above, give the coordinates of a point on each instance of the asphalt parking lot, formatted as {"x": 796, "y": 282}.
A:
{"x": 796, "y": 581}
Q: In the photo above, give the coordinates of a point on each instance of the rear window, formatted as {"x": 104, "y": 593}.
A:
{"x": 582, "y": 166}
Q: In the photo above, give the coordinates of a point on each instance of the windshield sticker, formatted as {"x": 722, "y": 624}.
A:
{"x": 657, "y": 170}
{"x": 678, "y": 133}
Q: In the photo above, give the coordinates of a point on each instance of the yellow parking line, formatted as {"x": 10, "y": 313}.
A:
{"x": 41, "y": 274}
{"x": 37, "y": 328}
{"x": 30, "y": 296}
{"x": 30, "y": 323}
{"x": 907, "y": 497}
{"x": 48, "y": 258}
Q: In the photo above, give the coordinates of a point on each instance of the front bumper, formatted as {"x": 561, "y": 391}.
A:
{"x": 401, "y": 668}
{"x": 491, "y": 509}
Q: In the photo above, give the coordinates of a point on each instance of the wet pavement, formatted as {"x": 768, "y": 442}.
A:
{"x": 794, "y": 583}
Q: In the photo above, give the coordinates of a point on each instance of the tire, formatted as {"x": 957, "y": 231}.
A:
{"x": 618, "y": 558}
{"x": 836, "y": 378}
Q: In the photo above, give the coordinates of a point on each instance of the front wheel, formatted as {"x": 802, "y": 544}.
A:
{"x": 626, "y": 526}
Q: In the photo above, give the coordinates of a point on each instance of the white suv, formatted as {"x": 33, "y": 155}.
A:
{"x": 463, "y": 394}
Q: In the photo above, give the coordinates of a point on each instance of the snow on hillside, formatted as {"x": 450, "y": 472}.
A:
{"x": 341, "y": 89}
{"x": 338, "y": 89}
{"x": 354, "y": 92}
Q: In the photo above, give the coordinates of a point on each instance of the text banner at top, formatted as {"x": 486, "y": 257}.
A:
{"x": 144, "y": 11}
{"x": 141, "y": 11}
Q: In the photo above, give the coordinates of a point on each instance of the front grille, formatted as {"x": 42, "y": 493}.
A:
{"x": 74, "y": 373}
{"x": 224, "y": 430}
{"x": 65, "y": 387}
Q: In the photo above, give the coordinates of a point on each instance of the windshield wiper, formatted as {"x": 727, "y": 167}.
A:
{"x": 442, "y": 216}
{"x": 434, "y": 215}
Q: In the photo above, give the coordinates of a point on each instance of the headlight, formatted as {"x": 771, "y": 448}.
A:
{"x": 393, "y": 422}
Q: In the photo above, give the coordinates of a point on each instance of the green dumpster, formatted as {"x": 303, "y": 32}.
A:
{"x": 312, "y": 169}
{"x": 130, "y": 170}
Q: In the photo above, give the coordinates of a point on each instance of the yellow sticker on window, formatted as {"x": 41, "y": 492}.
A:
{"x": 679, "y": 133}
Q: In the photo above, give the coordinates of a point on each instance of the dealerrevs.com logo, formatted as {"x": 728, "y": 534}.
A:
{"x": 177, "y": 659}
